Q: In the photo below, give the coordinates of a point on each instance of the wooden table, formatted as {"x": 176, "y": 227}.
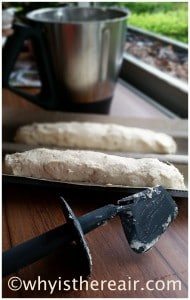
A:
{"x": 30, "y": 211}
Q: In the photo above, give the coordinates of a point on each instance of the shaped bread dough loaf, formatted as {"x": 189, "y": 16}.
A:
{"x": 93, "y": 167}
{"x": 96, "y": 136}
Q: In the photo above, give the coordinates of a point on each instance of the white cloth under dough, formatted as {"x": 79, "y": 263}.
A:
{"x": 93, "y": 167}
{"x": 92, "y": 136}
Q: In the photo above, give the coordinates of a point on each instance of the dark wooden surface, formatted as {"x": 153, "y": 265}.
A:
{"x": 28, "y": 212}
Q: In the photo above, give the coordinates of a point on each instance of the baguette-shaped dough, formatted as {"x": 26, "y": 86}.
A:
{"x": 93, "y": 167}
{"x": 96, "y": 136}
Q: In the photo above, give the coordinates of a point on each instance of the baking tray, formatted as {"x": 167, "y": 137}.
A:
{"x": 78, "y": 186}
{"x": 13, "y": 118}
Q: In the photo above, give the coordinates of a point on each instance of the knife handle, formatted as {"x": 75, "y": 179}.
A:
{"x": 44, "y": 244}
{"x": 34, "y": 249}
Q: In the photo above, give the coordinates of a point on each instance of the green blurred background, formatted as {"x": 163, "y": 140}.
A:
{"x": 165, "y": 18}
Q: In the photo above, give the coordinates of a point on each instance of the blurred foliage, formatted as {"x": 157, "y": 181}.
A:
{"x": 174, "y": 25}
{"x": 165, "y": 18}
{"x": 151, "y": 7}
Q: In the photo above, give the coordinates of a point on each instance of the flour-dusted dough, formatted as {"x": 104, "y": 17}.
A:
{"x": 87, "y": 135}
{"x": 93, "y": 167}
